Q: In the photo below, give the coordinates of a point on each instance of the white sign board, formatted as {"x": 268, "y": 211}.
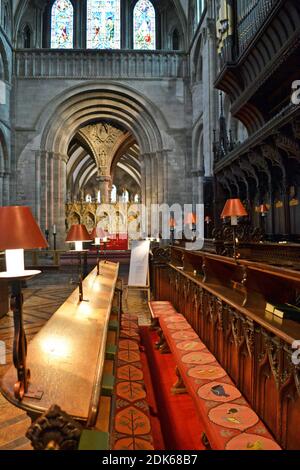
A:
{"x": 138, "y": 270}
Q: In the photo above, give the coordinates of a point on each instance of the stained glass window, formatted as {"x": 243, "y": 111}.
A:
{"x": 62, "y": 25}
{"x": 144, "y": 25}
{"x": 103, "y": 24}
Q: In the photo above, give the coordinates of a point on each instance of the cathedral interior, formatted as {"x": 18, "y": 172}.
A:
{"x": 149, "y": 225}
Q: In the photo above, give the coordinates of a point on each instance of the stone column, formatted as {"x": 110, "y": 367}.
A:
{"x": 42, "y": 190}
{"x": 210, "y": 101}
{"x": 59, "y": 197}
{"x": 1, "y": 188}
{"x": 197, "y": 186}
{"x": 6, "y": 189}
{"x": 104, "y": 186}
{"x": 160, "y": 176}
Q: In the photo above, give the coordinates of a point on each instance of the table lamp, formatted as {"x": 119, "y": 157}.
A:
{"x": 79, "y": 234}
{"x": 207, "y": 221}
{"x": 98, "y": 234}
{"x": 18, "y": 232}
{"x": 172, "y": 225}
{"x": 105, "y": 240}
{"x": 263, "y": 210}
{"x": 190, "y": 220}
{"x": 233, "y": 208}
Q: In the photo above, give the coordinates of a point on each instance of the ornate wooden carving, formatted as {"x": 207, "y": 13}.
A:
{"x": 161, "y": 255}
{"x": 248, "y": 331}
{"x": 54, "y": 430}
{"x": 253, "y": 353}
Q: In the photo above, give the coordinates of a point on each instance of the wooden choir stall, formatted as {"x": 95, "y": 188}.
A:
{"x": 224, "y": 301}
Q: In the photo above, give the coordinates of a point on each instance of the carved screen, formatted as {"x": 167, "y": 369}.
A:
{"x": 103, "y": 24}
{"x": 62, "y": 25}
{"x": 144, "y": 25}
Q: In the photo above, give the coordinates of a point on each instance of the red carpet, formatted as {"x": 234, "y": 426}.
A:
{"x": 179, "y": 424}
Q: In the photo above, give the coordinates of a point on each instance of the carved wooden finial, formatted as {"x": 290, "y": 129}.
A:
{"x": 54, "y": 430}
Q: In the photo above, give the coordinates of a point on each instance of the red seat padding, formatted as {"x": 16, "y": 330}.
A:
{"x": 231, "y": 422}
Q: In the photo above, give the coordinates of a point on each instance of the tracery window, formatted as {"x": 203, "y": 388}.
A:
{"x": 144, "y": 25}
{"x": 62, "y": 15}
{"x": 103, "y": 24}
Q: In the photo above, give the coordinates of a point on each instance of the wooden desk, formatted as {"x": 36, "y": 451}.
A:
{"x": 66, "y": 357}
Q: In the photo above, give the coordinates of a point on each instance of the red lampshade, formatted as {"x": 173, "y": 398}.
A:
{"x": 263, "y": 209}
{"x": 233, "y": 208}
{"x": 97, "y": 232}
{"x": 93, "y": 233}
{"x": 190, "y": 218}
{"x": 78, "y": 233}
{"x": 172, "y": 223}
{"x": 18, "y": 229}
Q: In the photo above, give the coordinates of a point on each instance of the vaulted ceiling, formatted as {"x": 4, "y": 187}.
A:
{"x": 103, "y": 149}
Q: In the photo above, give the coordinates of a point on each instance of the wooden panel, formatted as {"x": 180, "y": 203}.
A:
{"x": 254, "y": 349}
{"x": 66, "y": 357}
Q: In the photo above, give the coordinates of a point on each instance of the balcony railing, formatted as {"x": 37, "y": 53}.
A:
{"x": 251, "y": 16}
{"x": 87, "y": 64}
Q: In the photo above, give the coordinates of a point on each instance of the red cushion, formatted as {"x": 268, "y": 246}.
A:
{"x": 231, "y": 422}
{"x": 161, "y": 307}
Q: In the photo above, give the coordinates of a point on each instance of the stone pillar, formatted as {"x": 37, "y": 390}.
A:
{"x": 210, "y": 102}
{"x": 104, "y": 186}
{"x": 154, "y": 178}
{"x": 59, "y": 197}
{"x": 143, "y": 179}
{"x": 160, "y": 163}
{"x": 1, "y": 188}
{"x": 6, "y": 189}
{"x": 42, "y": 196}
{"x": 147, "y": 201}
{"x": 197, "y": 186}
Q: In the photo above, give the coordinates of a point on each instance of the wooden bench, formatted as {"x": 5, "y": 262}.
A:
{"x": 231, "y": 422}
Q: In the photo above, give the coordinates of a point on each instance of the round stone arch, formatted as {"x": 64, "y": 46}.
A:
{"x": 117, "y": 103}
{"x": 59, "y": 122}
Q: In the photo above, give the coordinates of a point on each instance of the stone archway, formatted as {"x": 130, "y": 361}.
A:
{"x": 59, "y": 122}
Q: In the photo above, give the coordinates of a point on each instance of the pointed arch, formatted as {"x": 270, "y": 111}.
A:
{"x": 62, "y": 24}
{"x": 27, "y": 37}
{"x": 175, "y": 40}
{"x": 144, "y": 25}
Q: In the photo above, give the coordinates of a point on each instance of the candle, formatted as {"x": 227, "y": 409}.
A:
{"x": 54, "y": 229}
